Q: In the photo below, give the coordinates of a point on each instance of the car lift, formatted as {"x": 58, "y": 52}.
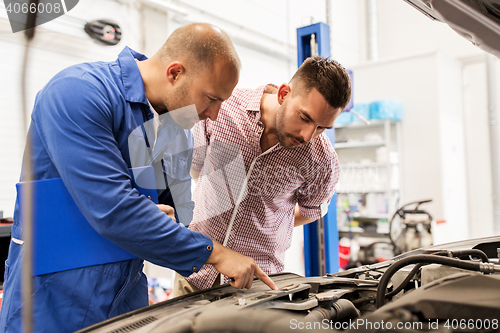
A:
{"x": 321, "y": 238}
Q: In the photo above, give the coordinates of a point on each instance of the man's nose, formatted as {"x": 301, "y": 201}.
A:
{"x": 307, "y": 132}
{"x": 213, "y": 111}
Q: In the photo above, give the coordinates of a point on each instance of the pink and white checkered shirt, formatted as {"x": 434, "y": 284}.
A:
{"x": 245, "y": 198}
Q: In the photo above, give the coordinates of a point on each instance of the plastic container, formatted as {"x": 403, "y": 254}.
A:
{"x": 344, "y": 252}
{"x": 344, "y": 118}
{"x": 386, "y": 109}
{"x": 363, "y": 109}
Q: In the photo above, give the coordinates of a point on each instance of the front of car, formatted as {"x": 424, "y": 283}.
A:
{"x": 451, "y": 287}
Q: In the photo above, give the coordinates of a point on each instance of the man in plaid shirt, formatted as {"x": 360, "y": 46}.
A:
{"x": 265, "y": 166}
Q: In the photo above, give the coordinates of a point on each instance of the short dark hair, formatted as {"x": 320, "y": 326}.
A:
{"x": 327, "y": 76}
{"x": 201, "y": 44}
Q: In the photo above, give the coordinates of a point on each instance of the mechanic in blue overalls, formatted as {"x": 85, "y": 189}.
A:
{"x": 81, "y": 126}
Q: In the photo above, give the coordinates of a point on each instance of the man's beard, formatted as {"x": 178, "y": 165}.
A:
{"x": 283, "y": 136}
{"x": 185, "y": 115}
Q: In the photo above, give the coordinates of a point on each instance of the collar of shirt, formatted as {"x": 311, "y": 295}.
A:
{"x": 253, "y": 106}
{"x": 157, "y": 120}
{"x": 131, "y": 76}
{"x": 168, "y": 141}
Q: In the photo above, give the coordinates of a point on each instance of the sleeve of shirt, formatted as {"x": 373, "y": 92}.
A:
{"x": 201, "y": 132}
{"x": 75, "y": 119}
{"x": 315, "y": 194}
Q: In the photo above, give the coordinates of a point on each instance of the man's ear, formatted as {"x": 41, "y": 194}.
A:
{"x": 283, "y": 91}
{"x": 173, "y": 72}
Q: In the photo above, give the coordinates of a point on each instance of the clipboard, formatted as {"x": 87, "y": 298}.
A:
{"x": 62, "y": 237}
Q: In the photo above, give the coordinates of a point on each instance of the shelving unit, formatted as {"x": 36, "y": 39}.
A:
{"x": 346, "y": 145}
{"x": 364, "y": 165}
{"x": 368, "y": 174}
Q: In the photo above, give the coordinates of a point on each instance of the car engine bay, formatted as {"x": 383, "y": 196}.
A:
{"x": 452, "y": 287}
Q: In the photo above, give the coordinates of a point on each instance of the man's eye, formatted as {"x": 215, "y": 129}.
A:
{"x": 211, "y": 99}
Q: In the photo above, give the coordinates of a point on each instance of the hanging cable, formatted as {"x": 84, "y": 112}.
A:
{"x": 27, "y": 196}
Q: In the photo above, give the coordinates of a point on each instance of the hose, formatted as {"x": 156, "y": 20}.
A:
{"x": 345, "y": 310}
{"x": 427, "y": 259}
{"x": 363, "y": 300}
{"x": 405, "y": 282}
{"x": 472, "y": 252}
{"x": 341, "y": 309}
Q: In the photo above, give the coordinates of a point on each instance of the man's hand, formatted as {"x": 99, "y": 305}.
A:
{"x": 237, "y": 266}
{"x": 170, "y": 211}
{"x": 271, "y": 89}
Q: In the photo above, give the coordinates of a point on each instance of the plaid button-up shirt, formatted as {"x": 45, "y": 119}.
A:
{"x": 245, "y": 198}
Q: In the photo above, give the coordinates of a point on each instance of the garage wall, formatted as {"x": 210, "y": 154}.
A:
{"x": 264, "y": 32}
{"x": 416, "y": 33}
{"x": 433, "y": 144}
{"x": 402, "y": 30}
{"x": 411, "y": 80}
{"x": 478, "y": 148}
{"x": 50, "y": 53}
{"x": 451, "y": 138}
{"x": 348, "y": 31}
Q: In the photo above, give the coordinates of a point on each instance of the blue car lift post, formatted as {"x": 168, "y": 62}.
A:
{"x": 321, "y": 238}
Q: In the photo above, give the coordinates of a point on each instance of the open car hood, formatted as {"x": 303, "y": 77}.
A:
{"x": 476, "y": 20}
